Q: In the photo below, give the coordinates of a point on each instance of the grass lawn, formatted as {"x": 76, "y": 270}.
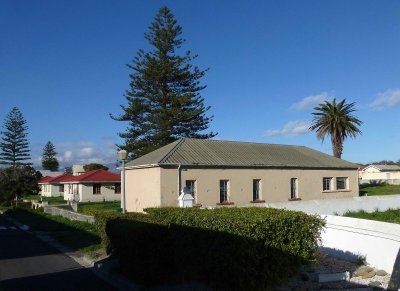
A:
{"x": 76, "y": 234}
{"x": 391, "y": 215}
{"x": 51, "y": 200}
{"x": 108, "y": 206}
{"x": 381, "y": 189}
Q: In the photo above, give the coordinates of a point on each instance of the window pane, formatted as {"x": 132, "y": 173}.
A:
{"x": 256, "y": 189}
{"x": 293, "y": 188}
{"x": 223, "y": 190}
{"x": 341, "y": 183}
{"x": 326, "y": 184}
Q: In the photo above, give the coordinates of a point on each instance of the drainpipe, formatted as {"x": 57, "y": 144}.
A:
{"x": 179, "y": 179}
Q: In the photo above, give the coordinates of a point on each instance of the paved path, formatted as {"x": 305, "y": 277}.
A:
{"x": 26, "y": 263}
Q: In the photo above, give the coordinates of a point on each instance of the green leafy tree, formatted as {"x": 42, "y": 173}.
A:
{"x": 94, "y": 166}
{"x": 68, "y": 170}
{"x": 49, "y": 160}
{"x": 336, "y": 119}
{"x": 164, "y": 101}
{"x": 17, "y": 183}
{"x": 14, "y": 145}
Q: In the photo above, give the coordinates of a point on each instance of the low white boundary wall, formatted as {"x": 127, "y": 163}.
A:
{"x": 378, "y": 242}
{"x": 340, "y": 206}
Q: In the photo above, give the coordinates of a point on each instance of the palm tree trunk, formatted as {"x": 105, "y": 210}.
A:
{"x": 337, "y": 147}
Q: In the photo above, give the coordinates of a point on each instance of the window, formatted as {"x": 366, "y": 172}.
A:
{"x": 190, "y": 186}
{"x": 223, "y": 190}
{"x": 326, "y": 184}
{"x": 293, "y": 188}
{"x": 61, "y": 188}
{"x": 256, "y": 189}
{"x": 117, "y": 188}
{"x": 341, "y": 183}
{"x": 96, "y": 188}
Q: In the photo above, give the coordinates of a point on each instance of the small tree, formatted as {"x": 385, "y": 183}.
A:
{"x": 164, "y": 100}
{"x": 49, "y": 160}
{"x": 18, "y": 182}
{"x": 14, "y": 145}
{"x": 94, "y": 166}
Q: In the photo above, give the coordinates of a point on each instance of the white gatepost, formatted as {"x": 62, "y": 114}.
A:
{"x": 185, "y": 199}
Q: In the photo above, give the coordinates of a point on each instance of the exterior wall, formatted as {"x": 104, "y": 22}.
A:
{"x": 51, "y": 190}
{"x": 107, "y": 193}
{"x": 143, "y": 188}
{"x": 347, "y": 237}
{"x": 275, "y": 184}
{"x": 372, "y": 173}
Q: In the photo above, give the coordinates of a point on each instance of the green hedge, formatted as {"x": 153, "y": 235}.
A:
{"x": 227, "y": 248}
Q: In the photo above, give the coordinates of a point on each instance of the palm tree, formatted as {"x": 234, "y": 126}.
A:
{"x": 336, "y": 120}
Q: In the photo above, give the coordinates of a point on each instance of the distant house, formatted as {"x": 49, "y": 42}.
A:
{"x": 380, "y": 173}
{"x": 51, "y": 186}
{"x": 96, "y": 185}
{"x": 50, "y": 173}
{"x": 219, "y": 173}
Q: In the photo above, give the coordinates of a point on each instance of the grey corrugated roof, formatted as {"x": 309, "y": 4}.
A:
{"x": 203, "y": 152}
{"x": 387, "y": 167}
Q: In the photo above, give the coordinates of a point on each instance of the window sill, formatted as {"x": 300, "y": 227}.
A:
{"x": 333, "y": 191}
{"x": 225, "y": 203}
{"x": 257, "y": 201}
{"x": 294, "y": 199}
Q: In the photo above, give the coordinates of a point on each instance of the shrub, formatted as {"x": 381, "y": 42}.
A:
{"x": 229, "y": 248}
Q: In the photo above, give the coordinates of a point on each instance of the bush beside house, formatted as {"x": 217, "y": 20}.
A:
{"x": 230, "y": 248}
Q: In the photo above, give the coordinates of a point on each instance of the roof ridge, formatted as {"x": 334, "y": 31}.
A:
{"x": 173, "y": 150}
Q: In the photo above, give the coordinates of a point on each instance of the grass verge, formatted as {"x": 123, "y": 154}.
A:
{"x": 51, "y": 200}
{"x": 108, "y": 206}
{"x": 380, "y": 189}
{"x": 391, "y": 215}
{"x": 76, "y": 234}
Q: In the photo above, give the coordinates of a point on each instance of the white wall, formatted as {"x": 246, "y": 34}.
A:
{"x": 378, "y": 242}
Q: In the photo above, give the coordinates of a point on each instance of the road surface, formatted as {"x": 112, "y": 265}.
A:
{"x": 26, "y": 263}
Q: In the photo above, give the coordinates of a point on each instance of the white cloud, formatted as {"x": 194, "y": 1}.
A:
{"x": 83, "y": 152}
{"x": 310, "y": 102}
{"x": 387, "y": 99}
{"x": 292, "y": 128}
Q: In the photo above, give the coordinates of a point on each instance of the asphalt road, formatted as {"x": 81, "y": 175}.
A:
{"x": 26, "y": 263}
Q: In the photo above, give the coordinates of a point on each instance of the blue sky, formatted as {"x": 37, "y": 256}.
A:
{"x": 63, "y": 64}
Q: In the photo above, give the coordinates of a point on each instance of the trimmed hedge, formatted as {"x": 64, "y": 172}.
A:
{"x": 293, "y": 232}
{"x": 227, "y": 248}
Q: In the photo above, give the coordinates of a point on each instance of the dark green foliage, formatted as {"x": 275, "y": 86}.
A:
{"x": 94, "y": 166}
{"x": 337, "y": 120}
{"x": 164, "y": 101}
{"x": 49, "y": 160}
{"x": 17, "y": 182}
{"x": 68, "y": 170}
{"x": 227, "y": 249}
{"x": 14, "y": 145}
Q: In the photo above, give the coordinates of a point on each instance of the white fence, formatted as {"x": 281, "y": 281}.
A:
{"x": 340, "y": 206}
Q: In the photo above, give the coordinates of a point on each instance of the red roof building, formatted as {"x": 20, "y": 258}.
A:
{"x": 96, "y": 185}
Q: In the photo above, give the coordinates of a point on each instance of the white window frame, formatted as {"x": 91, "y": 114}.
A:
{"x": 324, "y": 179}
{"x": 227, "y": 190}
{"x": 296, "y": 188}
{"x": 346, "y": 185}
{"x": 259, "y": 189}
{"x": 194, "y": 188}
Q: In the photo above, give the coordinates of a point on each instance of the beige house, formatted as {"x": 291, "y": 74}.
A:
{"x": 93, "y": 186}
{"x": 51, "y": 186}
{"x": 380, "y": 173}
{"x": 219, "y": 173}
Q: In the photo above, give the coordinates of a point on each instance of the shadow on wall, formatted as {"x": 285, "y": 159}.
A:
{"x": 344, "y": 255}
